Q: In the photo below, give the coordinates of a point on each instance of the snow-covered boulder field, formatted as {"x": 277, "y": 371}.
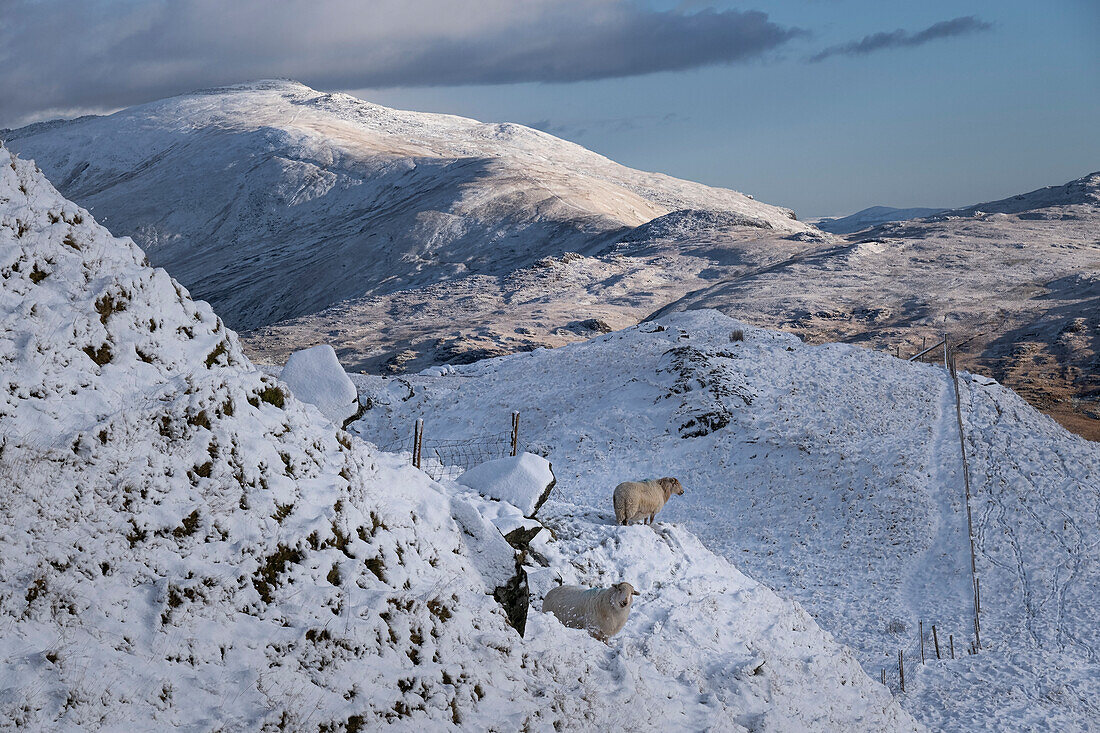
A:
{"x": 183, "y": 543}
{"x": 314, "y": 375}
{"x": 833, "y": 474}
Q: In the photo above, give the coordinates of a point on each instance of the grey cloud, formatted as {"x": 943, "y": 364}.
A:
{"x": 69, "y": 54}
{"x": 896, "y": 39}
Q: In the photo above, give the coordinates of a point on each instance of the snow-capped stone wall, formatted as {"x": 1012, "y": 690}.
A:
{"x": 524, "y": 481}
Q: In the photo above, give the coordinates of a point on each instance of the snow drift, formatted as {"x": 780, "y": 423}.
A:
{"x": 524, "y": 481}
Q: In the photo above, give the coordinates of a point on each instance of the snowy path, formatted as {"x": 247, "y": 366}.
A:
{"x": 938, "y": 579}
{"x": 1035, "y": 497}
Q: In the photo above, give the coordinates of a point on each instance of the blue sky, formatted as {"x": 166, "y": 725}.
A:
{"x": 949, "y": 123}
{"x": 970, "y": 101}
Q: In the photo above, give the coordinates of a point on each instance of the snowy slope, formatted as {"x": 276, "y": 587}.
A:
{"x": 556, "y": 301}
{"x": 1019, "y": 279}
{"x": 1046, "y": 202}
{"x": 185, "y": 544}
{"x": 833, "y": 474}
{"x": 273, "y": 200}
{"x": 870, "y": 217}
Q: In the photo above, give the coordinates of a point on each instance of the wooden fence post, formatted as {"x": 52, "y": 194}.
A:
{"x": 951, "y": 639}
{"x": 515, "y": 432}
{"x": 936, "y": 640}
{"x": 418, "y": 440}
{"x": 901, "y": 670}
{"x": 920, "y": 632}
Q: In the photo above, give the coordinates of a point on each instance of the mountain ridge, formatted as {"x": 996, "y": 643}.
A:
{"x": 272, "y": 188}
{"x": 871, "y": 216}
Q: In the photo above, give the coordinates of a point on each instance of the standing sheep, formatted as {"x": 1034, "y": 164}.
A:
{"x": 643, "y": 499}
{"x": 602, "y": 612}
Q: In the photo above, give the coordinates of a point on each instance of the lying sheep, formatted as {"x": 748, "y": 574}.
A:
{"x": 601, "y": 612}
{"x": 643, "y": 499}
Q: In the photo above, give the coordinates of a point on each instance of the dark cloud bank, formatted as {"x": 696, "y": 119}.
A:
{"x": 900, "y": 38}
{"x": 59, "y": 57}
{"x": 69, "y": 54}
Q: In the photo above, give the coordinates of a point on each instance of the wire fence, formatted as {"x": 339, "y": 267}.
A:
{"x": 929, "y": 641}
{"x": 451, "y": 458}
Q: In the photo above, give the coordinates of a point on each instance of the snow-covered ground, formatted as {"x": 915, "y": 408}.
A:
{"x": 185, "y": 544}
{"x": 833, "y": 474}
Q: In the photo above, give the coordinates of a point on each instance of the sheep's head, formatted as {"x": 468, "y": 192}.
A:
{"x": 672, "y": 486}
{"x": 622, "y": 595}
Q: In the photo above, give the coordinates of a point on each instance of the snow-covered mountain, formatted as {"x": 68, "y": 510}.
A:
{"x": 407, "y": 239}
{"x": 1018, "y": 280}
{"x": 273, "y": 201}
{"x": 184, "y": 544}
{"x": 870, "y": 217}
{"x": 832, "y": 473}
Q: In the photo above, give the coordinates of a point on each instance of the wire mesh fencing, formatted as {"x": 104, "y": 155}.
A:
{"x": 442, "y": 458}
{"x": 451, "y": 458}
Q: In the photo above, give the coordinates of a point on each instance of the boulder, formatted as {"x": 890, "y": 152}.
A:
{"x": 524, "y": 481}
{"x": 315, "y": 376}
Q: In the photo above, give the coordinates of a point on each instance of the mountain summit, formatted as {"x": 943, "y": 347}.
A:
{"x": 272, "y": 200}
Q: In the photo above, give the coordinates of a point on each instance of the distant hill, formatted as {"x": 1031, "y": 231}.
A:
{"x": 870, "y": 217}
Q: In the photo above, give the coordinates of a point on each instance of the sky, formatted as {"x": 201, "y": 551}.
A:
{"x": 826, "y": 106}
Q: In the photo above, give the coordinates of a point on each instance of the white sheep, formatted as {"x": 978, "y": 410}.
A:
{"x": 602, "y": 612}
{"x": 643, "y": 499}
